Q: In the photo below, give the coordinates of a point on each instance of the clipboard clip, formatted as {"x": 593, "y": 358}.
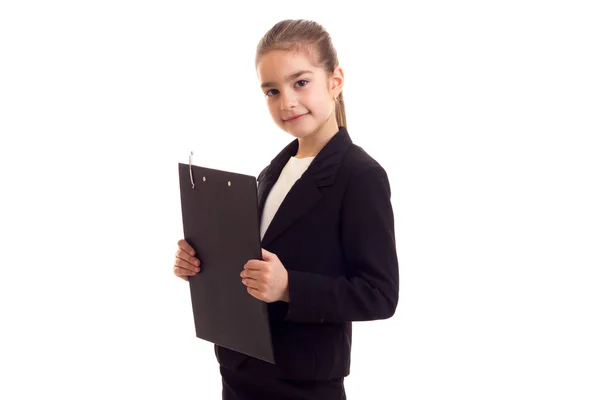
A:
{"x": 191, "y": 175}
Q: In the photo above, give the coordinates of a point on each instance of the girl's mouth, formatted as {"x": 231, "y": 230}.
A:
{"x": 298, "y": 118}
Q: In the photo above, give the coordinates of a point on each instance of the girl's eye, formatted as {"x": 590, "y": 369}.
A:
{"x": 301, "y": 80}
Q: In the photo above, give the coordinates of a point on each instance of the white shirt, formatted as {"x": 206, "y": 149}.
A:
{"x": 291, "y": 172}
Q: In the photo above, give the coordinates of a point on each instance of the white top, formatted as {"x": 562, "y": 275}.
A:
{"x": 292, "y": 171}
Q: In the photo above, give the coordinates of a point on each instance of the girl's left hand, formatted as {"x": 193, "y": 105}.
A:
{"x": 266, "y": 280}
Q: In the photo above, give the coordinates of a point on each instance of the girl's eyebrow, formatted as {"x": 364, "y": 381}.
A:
{"x": 289, "y": 78}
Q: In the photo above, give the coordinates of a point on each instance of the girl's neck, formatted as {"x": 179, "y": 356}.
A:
{"x": 311, "y": 145}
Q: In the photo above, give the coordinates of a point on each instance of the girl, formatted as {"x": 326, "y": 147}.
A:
{"x": 327, "y": 229}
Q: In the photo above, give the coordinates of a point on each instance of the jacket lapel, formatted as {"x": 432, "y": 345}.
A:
{"x": 306, "y": 192}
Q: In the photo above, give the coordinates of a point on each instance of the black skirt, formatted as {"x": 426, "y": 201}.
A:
{"x": 242, "y": 385}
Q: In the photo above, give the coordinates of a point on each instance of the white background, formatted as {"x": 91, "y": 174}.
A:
{"x": 484, "y": 114}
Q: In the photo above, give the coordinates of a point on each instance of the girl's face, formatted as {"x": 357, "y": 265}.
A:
{"x": 294, "y": 87}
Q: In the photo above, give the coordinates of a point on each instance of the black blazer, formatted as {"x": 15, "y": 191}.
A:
{"x": 334, "y": 233}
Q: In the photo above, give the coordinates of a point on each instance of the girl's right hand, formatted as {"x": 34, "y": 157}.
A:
{"x": 185, "y": 262}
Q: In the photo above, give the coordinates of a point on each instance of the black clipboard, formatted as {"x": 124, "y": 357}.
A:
{"x": 220, "y": 221}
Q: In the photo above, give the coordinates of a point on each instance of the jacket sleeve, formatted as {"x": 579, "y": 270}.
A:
{"x": 369, "y": 289}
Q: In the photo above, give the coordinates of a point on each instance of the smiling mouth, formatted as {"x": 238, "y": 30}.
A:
{"x": 295, "y": 118}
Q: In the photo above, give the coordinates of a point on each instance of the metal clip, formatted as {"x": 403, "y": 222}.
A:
{"x": 191, "y": 176}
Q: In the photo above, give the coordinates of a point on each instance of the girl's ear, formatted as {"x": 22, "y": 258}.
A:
{"x": 336, "y": 81}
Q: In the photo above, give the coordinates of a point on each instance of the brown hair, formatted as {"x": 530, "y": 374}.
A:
{"x": 300, "y": 34}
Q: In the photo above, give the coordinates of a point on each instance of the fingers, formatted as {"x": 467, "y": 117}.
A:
{"x": 183, "y": 269}
{"x": 255, "y": 293}
{"x": 185, "y": 263}
{"x": 253, "y": 284}
{"x": 258, "y": 281}
{"x": 262, "y": 276}
{"x": 183, "y": 273}
{"x": 185, "y": 246}
{"x": 179, "y": 263}
{"x": 255, "y": 265}
{"x": 186, "y": 259}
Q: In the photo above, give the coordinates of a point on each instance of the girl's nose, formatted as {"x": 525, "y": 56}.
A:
{"x": 288, "y": 101}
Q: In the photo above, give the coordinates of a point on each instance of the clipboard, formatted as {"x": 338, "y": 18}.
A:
{"x": 220, "y": 221}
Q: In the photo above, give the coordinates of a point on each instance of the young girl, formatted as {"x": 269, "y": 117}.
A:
{"x": 327, "y": 229}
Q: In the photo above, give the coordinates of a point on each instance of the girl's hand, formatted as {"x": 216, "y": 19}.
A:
{"x": 266, "y": 280}
{"x": 185, "y": 263}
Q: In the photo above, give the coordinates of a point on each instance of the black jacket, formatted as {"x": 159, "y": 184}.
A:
{"x": 334, "y": 233}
